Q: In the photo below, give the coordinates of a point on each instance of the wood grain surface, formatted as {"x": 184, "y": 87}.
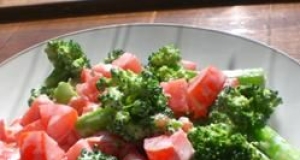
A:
{"x": 276, "y": 24}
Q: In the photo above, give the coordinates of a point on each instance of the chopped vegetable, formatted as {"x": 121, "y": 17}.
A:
{"x": 166, "y": 64}
{"x": 174, "y": 147}
{"x": 247, "y": 108}
{"x": 164, "y": 110}
{"x": 68, "y": 60}
{"x": 219, "y": 141}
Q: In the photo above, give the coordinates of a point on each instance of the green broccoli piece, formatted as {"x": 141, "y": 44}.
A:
{"x": 247, "y": 108}
{"x": 64, "y": 92}
{"x": 111, "y": 56}
{"x": 220, "y": 142}
{"x": 166, "y": 64}
{"x": 98, "y": 120}
{"x": 255, "y": 76}
{"x": 94, "y": 155}
{"x": 134, "y": 98}
{"x": 168, "y": 55}
{"x": 68, "y": 60}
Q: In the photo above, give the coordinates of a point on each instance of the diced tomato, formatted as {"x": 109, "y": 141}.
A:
{"x": 128, "y": 61}
{"x": 107, "y": 143}
{"x": 189, "y": 65}
{"x": 78, "y": 103}
{"x": 9, "y": 152}
{"x": 89, "y": 89}
{"x": 104, "y": 69}
{"x": 160, "y": 147}
{"x": 9, "y": 133}
{"x": 70, "y": 140}
{"x": 182, "y": 145}
{"x": 59, "y": 120}
{"x": 187, "y": 125}
{"x": 174, "y": 147}
{"x": 75, "y": 150}
{"x": 85, "y": 75}
{"x": 34, "y": 126}
{"x": 204, "y": 89}
{"x": 177, "y": 92}
{"x": 33, "y": 113}
{"x": 37, "y": 145}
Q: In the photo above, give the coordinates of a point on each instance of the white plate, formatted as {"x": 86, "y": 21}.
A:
{"x": 27, "y": 70}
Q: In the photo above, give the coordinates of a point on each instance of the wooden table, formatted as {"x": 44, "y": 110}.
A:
{"x": 276, "y": 24}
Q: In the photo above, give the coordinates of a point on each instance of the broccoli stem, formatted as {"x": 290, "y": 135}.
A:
{"x": 254, "y": 76}
{"x": 259, "y": 154}
{"x": 95, "y": 121}
{"x": 275, "y": 146}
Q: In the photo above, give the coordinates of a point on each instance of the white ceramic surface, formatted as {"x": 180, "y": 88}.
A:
{"x": 27, "y": 69}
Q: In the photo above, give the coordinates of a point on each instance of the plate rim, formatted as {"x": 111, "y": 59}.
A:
{"x": 175, "y": 25}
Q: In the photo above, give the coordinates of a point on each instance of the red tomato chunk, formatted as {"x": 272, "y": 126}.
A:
{"x": 37, "y": 145}
{"x": 204, "y": 89}
{"x": 128, "y": 61}
{"x": 176, "y": 90}
{"x": 174, "y": 147}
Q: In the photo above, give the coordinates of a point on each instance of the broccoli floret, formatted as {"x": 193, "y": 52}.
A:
{"x": 166, "y": 64}
{"x": 135, "y": 100}
{"x": 94, "y": 155}
{"x": 220, "y": 142}
{"x": 247, "y": 108}
{"x": 168, "y": 55}
{"x": 68, "y": 60}
{"x": 111, "y": 56}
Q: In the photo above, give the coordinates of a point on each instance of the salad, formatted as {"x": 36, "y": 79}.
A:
{"x": 167, "y": 109}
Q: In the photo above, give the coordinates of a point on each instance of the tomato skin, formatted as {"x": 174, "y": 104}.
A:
{"x": 188, "y": 65}
{"x": 204, "y": 89}
{"x": 37, "y": 145}
{"x": 34, "y": 126}
{"x": 59, "y": 120}
{"x": 71, "y": 138}
{"x": 177, "y": 92}
{"x": 128, "y": 61}
{"x": 160, "y": 147}
{"x": 33, "y": 113}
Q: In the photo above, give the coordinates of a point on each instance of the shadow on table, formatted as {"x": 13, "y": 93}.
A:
{"x": 90, "y": 7}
